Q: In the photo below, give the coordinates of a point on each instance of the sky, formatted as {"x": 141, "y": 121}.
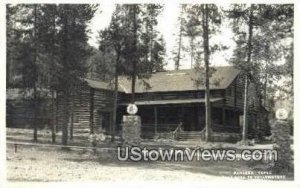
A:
{"x": 167, "y": 25}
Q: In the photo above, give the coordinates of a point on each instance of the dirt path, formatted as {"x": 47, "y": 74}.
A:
{"x": 36, "y": 163}
{"x": 30, "y": 164}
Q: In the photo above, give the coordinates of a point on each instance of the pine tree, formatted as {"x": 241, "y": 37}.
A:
{"x": 12, "y": 49}
{"x": 206, "y": 19}
{"x": 50, "y": 59}
{"x": 111, "y": 41}
{"x": 258, "y": 47}
{"x": 191, "y": 31}
{"x": 31, "y": 52}
{"x": 177, "y": 52}
{"x": 133, "y": 44}
{"x": 73, "y": 52}
{"x": 47, "y": 49}
{"x": 152, "y": 42}
{"x": 27, "y": 53}
{"x": 135, "y": 64}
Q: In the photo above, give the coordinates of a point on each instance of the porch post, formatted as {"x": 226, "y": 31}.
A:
{"x": 181, "y": 116}
{"x": 155, "y": 120}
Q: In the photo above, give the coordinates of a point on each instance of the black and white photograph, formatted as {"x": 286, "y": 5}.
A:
{"x": 157, "y": 91}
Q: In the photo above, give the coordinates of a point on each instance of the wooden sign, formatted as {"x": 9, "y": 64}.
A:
{"x": 132, "y": 109}
{"x": 282, "y": 114}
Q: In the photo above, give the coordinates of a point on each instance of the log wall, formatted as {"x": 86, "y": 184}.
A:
{"x": 234, "y": 95}
{"x": 87, "y": 103}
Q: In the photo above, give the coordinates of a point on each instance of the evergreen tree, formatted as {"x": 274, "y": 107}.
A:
{"x": 154, "y": 44}
{"x": 73, "y": 52}
{"x": 12, "y": 38}
{"x": 133, "y": 44}
{"x": 191, "y": 30}
{"x": 258, "y": 47}
{"x": 47, "y": 50}
{"x": 24, "y": 44}
{"x": 206, "y": 19}
{"x": 140, "y": 49}
{"x": 50, "y": 59}
{"x": 177, "y": 52}
{"x": 112, "y": 42}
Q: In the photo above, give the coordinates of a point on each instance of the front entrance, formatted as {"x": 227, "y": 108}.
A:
{"x": 193, "y": 118}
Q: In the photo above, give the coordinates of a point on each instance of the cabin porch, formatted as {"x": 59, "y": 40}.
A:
{"x": 165, "y": 117}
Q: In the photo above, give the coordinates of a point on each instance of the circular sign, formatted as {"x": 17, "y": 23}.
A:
{"x": 282, "y": 114}
{"x": 132, "y": 109}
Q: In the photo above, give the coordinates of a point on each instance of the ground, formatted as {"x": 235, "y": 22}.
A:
{"x": 32, "y": 164}
{"x": 36, "y": 163}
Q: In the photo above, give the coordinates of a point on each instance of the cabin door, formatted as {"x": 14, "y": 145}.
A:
{"x": 191, "y": 120}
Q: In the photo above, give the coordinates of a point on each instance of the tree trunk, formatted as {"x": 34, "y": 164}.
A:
{"x": 205, "y": 36}
{"x": 114, "y": 121}
{"x": 192, "y": 52}
{"x": 260, "y": 117}
{"x": 35, "y": 105}
{"x": 133, "y": 78}
{"x": 135, "y": 60}
{"x": 54, "y": 100}
{"x": 245, "y": 118}
{"x": 53, "y": 126}
{"x": 65, "y": 118}
{"x": 249, "y": 53}
{"x": 265, "y": 84}
{"x": 177, "y": 63}
{"x": 151, "y": 45}
{"x": 8, "y": 65}
{"x": 72, "y": 118}
{"x": 56, "y": 114}
{"x": 35, "y": 111}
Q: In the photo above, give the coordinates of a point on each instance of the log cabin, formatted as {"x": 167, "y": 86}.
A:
{"x": 170, "y": 100}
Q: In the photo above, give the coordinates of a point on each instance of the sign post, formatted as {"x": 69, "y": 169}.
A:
{"x": 131, "y": 133}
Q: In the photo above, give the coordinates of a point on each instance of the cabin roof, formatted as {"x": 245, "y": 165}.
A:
{"x": 182, "y": 80}
{"x": 101, "y": 85}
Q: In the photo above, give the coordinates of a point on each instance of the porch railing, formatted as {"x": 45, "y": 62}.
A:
{"x": 149, "y": 130}
{"x": 176, "y": 131}
{"x": 225, "y": 128}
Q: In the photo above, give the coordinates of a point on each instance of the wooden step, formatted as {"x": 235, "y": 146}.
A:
{"x": 189, "y": 135}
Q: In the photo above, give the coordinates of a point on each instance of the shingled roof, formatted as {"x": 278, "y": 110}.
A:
{"x": 101, "y": 85}
{"x": 182, "y": 80}
{"x": 98, "y": 84}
